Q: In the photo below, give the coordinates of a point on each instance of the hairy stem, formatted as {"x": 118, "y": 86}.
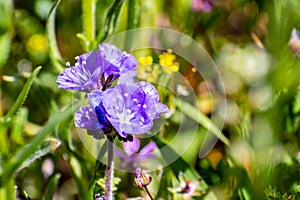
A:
{"x": 150, "y": 196}
{"x": 109, "y": 169}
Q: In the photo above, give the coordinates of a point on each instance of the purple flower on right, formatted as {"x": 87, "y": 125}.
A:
{"x": 202, "y": 5}
{"x": 129, "y": 107}
{"x": 132, "y": 106}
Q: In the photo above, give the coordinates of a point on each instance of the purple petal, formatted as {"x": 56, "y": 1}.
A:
{"x": 95, "y": 98}
{"x": 147, "y": 152}
{"x": 149, "y": 90}
{"x": 86, "y": 118}
{"x": 83, "y": 76}
{"x": 127, "y": 77}
{"x": 105, "y": 125}
{"x": 118, "y": 62}
{"x": 131, "y": 147}
{"x": 148, "y": 149}
{"x": 128, "y": 62}
{"x": 111, "y": 53}
{"x": 76, "y": 78}
{"x": 160, "y": 109}
{"x": 122, "y": 155}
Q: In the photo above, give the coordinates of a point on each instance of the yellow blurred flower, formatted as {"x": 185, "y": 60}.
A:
{"x": 37, "y": 43}
{"x": 146, "y": 70}
{"x": 167, "y": 61}
{"x": 148, "y": 60}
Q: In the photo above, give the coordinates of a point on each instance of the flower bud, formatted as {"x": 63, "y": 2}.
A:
{"x": 142, "y": 179}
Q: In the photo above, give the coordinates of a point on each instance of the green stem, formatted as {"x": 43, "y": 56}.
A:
{"x": 110, "y": 168}
{"x": 88, "y": 17}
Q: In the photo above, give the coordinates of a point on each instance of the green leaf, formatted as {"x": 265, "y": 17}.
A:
{"x": 55, "y": 56}
{"x": 21, "y": 156}
{"x": 5, "y": 42}
{"x": 51, "y": 187}
{"x": 202, "y": 119}
{"x": 111, "y": 20}
{"x": 22, "y": 96}
{"x": 45, "y": 147}
{"x": 88, "y": 18}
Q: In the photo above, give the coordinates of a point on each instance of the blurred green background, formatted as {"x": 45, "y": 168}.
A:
{"x": 254, "y": 47}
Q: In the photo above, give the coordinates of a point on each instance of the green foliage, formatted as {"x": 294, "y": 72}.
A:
{"x": 273, "y": 193}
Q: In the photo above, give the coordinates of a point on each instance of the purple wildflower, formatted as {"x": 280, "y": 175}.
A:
{"x": 202, "y": 5}
{"x": 131, "y": 158}
{"x": 96, "y": 69}
{"x": 131, "y": 107}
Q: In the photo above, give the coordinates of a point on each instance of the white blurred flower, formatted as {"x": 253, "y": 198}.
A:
{"x": 294, "y": 42}
{"x": 248, "y": 64}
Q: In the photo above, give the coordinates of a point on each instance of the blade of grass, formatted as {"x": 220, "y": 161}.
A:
{"x": 30, "y": 148}
{"x": 52, "y": 185}
{"x": 55, "y": 56}
{"x": 45, "y": 147}
{"x": 111, "y": 20}
{"x": 22, "y": 96}
{"x": 202, "y": 119}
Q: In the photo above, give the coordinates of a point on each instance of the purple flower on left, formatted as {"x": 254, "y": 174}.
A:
{"x": 127, "y": 108}
{"x": 96, "y": 69}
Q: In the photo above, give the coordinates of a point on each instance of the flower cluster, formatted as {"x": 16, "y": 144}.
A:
{"x": 128, "y": 107}
{"x": 149, "y": 71}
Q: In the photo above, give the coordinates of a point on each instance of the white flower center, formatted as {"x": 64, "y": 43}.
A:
{"x": 125, "y": 116}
